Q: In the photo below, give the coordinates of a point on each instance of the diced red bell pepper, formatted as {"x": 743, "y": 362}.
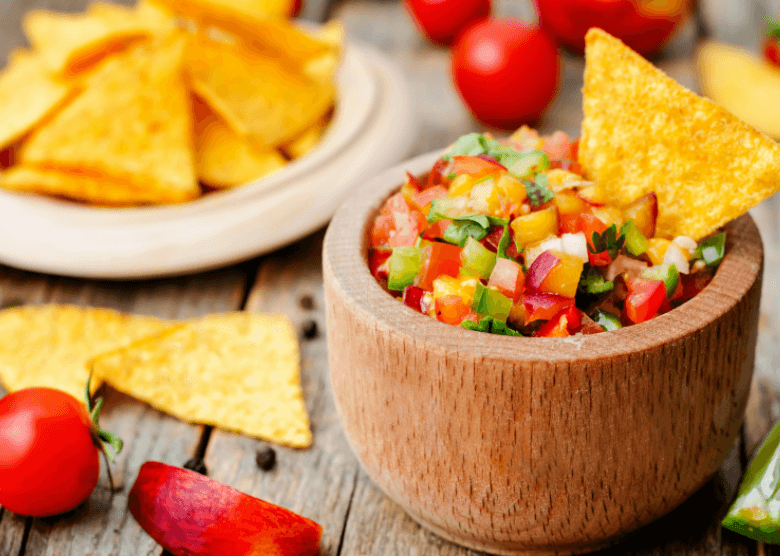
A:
{"x": 407, "y": 226}
{"x": 565, "y": 323}
{"x": 413, "y": 297}
{"x": 375, "y": 261}
{"x": 512, "y": 251}
{"x": 451, "y": 309}
{"x": 540, "y": 268}
{"x": 422, "y": 200}
{"x": 476, "y": 167}
{"x": 396, "y": 203}
{"x": 544, "y": 306}
{"x": 436, "y": 230}
{"x": 644, "y": 299}
{"x": 508, "y": 278}
{"x": 438, "y": 259}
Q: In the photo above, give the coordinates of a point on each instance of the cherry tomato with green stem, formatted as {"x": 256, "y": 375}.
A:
{"x": 50, "y": 446}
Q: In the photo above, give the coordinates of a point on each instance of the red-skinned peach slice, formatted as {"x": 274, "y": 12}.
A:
{"x": 644, "y": 213}
{"x": 192, "y": 515}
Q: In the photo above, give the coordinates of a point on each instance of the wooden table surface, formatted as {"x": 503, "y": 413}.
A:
{"x": 325, "y": 482}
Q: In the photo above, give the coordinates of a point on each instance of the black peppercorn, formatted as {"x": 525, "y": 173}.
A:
{"x": 197, "y": 465}
{"x": 307, "y": 302}
{"x": 266, "y": 458}
{"x": 310, "y": 330}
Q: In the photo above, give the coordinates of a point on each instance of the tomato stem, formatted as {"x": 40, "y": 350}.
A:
{"x": 105, "y": 439}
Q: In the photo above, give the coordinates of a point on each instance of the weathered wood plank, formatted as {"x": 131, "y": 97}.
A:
{"x": 316, "y": 482}
{"x": 103, "y": 525}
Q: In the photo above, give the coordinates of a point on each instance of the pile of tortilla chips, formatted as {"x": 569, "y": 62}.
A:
{"x": 237, "y": 371}
{"x": 162, "y": 102}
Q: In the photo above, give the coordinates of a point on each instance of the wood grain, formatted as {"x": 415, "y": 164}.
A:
{"x": 515, "y": 445}
{"x": 103, "y": 525}
{"x": 317, "y": 482}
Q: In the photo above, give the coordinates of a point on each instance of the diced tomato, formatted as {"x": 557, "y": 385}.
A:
{"x": 512, "y": 251}
{"x": 644, "y": 299}
{"x": 436, "y": 230}
{"x": 451, "y": 309}
{"x": 439, "y": 259}
{"x": 508, "y": 278}
{"x": 558, "y": 146}
{"x": 544, "y": 306}
{"x": 422, "y": 200}
{"x": 565, "y": 323}
{"x": 437, "y": 177}
{"x": 413, "y": 297}
{"x": 396, "y": 203}
{"x": 407, "y": 227}
{"x": 476, "y": 167}
{"x": 375, "y": 261}
{"x": 380, "y": 231}
{"x": 414, "y": 182}
{"x": 568, "y": 223}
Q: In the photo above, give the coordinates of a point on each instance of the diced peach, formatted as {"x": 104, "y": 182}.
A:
{"x": 533, "y": 228}
{"x": 592, "y": 195}
{"x": 609, "y": 215}
{"x": 511, "y": 189}
{"x": 564, "y": 277}
{"x": 644, "y": 212}
{"x": 568, "y": 203}
{"x": 656, "y": 249}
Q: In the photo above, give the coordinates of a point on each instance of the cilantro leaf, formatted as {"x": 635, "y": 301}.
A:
{"x": 773, "y": 28}
{"x": 608, "y": 241}
{"x": 595, "y": 284}
{"x": 538, "y": 191}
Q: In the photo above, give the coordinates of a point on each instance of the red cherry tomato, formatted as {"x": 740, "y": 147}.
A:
{"x": 644, "y": 25}
{"x": 442, "y": 20}
{"x": 49, "y": 457}
{"x": 772, "y": 51}
{"x": 506, "y": 71}
{"x": 295, "y": 9}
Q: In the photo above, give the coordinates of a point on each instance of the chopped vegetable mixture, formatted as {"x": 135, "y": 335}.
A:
{"x": 509, "y": 238}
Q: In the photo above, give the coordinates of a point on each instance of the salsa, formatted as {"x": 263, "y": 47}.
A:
{"x": 509, "y": 238}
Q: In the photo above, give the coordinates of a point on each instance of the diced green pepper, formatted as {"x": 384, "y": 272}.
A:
{"x": 636, "y": 243}
{"x": 606, "y": 320}
{"x": 472, "y": 144}
{"x": 477, "y": 259}
{"x": 503, "y": 244}
{"x": 711, "y": 250}
{"x": 439, "y": 210}
{"x": 488, "y": 302}
{"x": 402, "y": 266}
{"x": 491, "y": 326}
{"x": 756, "y": 511}
{"x": 666, "y": 272}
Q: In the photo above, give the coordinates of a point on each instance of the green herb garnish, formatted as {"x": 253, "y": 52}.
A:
{"x": 608, "y": 241}
{"x": 491, "y": 326}
{"x": 538, "y": 190}
{"x": 773, "y": 28}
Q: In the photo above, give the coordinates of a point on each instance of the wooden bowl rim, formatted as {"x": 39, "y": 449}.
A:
{"x": 346, "y": 248}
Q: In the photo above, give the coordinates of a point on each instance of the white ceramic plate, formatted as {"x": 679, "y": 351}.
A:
{"x": 372, "y": 128}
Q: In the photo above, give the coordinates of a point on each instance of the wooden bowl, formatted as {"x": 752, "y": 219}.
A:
{"x": 536, "y": 445}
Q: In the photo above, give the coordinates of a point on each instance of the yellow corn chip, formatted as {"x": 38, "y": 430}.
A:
{"x": 257, "y": 96}
{"x": 306, "y": 141}
{"x": 133, "y": 123}
{"x": 68, "y": 43}
{"x": 643, "y": 132}
{"x": 275, "y": 36}
{"x": 238, "y": 371}
{"x": 51, "y": 345}
{"x": 225, "y": 159}
{"x": 75, "y": 185}
{"x": 27, "y": 96}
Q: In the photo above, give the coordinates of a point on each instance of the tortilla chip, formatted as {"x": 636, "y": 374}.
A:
{"x": 69, "y": 43}
{"x": 305, "y": 142}
{"x": 238, "y": 371}
{"x": 274, "y": 36}
{"x": 50, "y": 345}
{"x": 133, "y": 123}
{"x": 76, "y": 185}
{"x": 27, "y": 96}
{"x": 643, "y": 132}
{"x": 256, "y": 95}
{"x": 224, "y": 158}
